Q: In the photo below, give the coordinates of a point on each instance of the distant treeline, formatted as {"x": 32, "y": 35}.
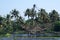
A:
{"x": 13, "y": 22}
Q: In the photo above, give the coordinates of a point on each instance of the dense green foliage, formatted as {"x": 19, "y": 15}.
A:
{"x": 57, "y": 26}
{"x": 13, "y": 22}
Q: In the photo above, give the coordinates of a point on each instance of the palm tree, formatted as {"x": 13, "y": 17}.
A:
{"x": 31, "y": 13}
{"x": 15, "y": 13}
{"x": 1, "y": 25}
{"x": 16, "y": 16}
{"x": 20, "y": 23}
{"x": 27, "y": 13}
{"x": 43, "y": 16}
{"x": 1, "y": 19}
{"x": 8, "y": 18}
{"x": 54, "y": 16}
{"x": 8, "y": 24}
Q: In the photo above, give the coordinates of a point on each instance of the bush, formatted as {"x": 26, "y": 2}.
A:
{"x": 57, "y": 26}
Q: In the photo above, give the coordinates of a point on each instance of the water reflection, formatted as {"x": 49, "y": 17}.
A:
{"x": 38, "y": 39}
{"x": 22, "y": 38}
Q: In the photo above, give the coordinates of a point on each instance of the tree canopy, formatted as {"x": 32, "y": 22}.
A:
{"x": 41, "y": 19}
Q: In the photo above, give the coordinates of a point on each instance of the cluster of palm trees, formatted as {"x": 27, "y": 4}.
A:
{"x": 7, "y": 25}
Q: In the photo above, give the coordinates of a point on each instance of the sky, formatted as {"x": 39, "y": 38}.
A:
{"x": 21, "y": 5}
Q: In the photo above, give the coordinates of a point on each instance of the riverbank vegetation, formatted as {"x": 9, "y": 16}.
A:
{"x": 38, "y": 22}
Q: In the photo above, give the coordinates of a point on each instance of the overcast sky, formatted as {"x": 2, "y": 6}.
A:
{"x": 7, "y": 5}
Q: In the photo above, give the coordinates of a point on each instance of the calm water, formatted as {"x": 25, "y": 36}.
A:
{"x": 18, "y": 38}
{"x": 31, "y": 39}
{"x": 38, "y": 39}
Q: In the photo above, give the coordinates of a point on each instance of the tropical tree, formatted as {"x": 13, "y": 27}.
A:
{"x": 15, "y": 13}
{"x": 43, "y": 16}
{"x": 1, "y": 19}
{"x": 15, "y": 16}
{"x": 20, "y": 23}
{"x": 27, "y": 13}
{"x": 16, "y": 24}
{"x": 8, "y": 25}
{"x": 1, "y": 25}
{"x": 56, "y": 26}
{"x": 31, "y": 13}
{"x": 8, "y": 19}
{"x": 54, "y": 16}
